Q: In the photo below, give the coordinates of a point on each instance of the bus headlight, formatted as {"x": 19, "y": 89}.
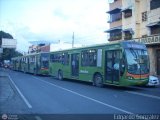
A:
{"x": 130, "y": 78}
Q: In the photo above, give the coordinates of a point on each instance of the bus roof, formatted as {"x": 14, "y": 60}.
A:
{"x": 100, "y": 45}
{"x": 18, "y": 57}
{"x": 89, "y": 46}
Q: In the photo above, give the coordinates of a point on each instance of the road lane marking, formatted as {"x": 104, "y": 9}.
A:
{"x": 38, "y": 118}
{"x": 142, "y": 94}
{"x": 25, "y": 100}
{"x": 89, "y": 98}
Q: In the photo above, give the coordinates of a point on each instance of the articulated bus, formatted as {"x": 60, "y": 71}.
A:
{"x": 15, "y": 63}
{"x": 123, "y": 63}
{"x": 37, "y": 63}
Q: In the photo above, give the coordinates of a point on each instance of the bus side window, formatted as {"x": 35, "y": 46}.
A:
{"x": 89, "y": 57}
{"x": 65, "y": 58}
{"x": 51, "y": 57}
{"x": 122, "y": 65}
{"x": 99, "y": 58}
{"x": 56, "y": 58}
{"x": 59, "y": 58}
{"x": 84, "y": 56}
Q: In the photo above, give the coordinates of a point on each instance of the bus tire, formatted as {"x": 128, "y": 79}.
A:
{"x": 98, "y": 80}
{"x": 60, "y": 75}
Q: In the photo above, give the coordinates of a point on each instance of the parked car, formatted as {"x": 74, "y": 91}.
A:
{"x": 153, "y": 81}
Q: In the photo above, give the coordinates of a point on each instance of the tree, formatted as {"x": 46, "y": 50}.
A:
{"x": 8, "y": 53}
{"x": 4, "y": 35}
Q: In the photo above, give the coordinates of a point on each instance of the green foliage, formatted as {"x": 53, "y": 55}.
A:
{"x": 8, "y": 53}
{"x": 4, "y": 35}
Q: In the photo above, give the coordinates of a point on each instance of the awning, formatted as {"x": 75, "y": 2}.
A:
{"x": 126, "y": 9}
{"x": 112, "y": 29}
{"x": 116, "y": 10}
{"x": 128, "y": 29}
{"x": 153, "y": 24}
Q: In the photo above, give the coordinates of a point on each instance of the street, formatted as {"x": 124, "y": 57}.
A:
{"x": 47, "y": 95}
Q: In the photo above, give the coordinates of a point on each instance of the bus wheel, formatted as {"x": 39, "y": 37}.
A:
{"x": 60, "y": 75}
{"x": 98, "y": 80}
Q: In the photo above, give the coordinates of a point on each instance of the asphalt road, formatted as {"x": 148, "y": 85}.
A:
{"x": 47, "y": 95}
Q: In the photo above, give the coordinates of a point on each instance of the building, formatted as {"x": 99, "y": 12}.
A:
{"x": 32, "y": 49}
{"x": 139, "y": 20}
{"x": 39, "y": 48}
{"x": 51, "y": 47}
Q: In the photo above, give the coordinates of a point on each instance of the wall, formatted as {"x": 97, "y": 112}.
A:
{"x": 152, "y": 58}
{"x": 117, "y": 4}
{"x": 116, "y": 24}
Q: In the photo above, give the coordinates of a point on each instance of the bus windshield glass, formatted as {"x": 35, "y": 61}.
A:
{"x": 137, "y": 60}
{"x": 45, "y": 60}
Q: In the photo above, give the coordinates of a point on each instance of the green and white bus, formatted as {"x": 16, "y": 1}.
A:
{"x": 36, "y": 63}
{"x": 16, "y": 63}
{"x": 122, "y": 63}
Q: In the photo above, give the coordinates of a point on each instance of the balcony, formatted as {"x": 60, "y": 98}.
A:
{"x": 119, "y": 28}
{"x": 154, "y": 4}
{"x": 128, "y": 37}
{"x": 115, "y": 34}
{"x": 153, "y": 16}
{"x": 114, "y": 38}
{"x": 155, "y": 30}
{"x": 116, "y": 4}
{"x": 115, "y": 24}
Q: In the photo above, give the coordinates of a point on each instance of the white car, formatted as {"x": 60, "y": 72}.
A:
{"x": 153, "y": 81}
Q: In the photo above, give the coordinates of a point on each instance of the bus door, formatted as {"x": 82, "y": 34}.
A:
{"x": 75, "y": 64}
{"x": 112, "y": 65}
{"x": 36, "y": 64}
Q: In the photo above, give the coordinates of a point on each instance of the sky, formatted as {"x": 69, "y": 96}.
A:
{"x": 54, "y": 20}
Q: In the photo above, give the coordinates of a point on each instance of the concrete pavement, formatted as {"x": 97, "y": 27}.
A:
{"x": 6, "y": 91}
{"x": 47, "y": 95}
{"x": 10, "y": 101}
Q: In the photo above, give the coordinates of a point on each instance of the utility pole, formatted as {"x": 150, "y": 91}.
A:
{"x": 73, "y": 40}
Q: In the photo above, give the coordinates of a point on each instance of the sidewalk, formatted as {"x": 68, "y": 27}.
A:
{"x": 6, "y": 91}
{"x": 10, "y": 100}
{"x": 3, "y": 73}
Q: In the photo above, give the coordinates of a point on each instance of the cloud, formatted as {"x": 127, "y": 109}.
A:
{"x": 52, "y": 21}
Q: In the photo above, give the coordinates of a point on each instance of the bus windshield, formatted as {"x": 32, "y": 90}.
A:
{"x": 45, "y": 60}
{"x": 137, "y": 60}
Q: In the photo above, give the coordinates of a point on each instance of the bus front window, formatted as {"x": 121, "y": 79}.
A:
{"x": 137, "y": 60}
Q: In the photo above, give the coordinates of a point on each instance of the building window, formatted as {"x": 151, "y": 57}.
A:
{"x": 112, "y": 1}
{"x": 89, "y": 57}
{"x": 115, "y": 17}
{"x": 144, "y": 16}
{"x": 155, "y": 30}
{"x": 143, "y": 36}
{"x": 115, "y": 35}
{"x": 128, "y": 35}
{"x": 127, "y": 13}
{"x": 154, "y": 4}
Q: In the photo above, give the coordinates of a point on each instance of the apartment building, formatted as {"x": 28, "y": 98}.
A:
{"x": 139, "y": 20}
